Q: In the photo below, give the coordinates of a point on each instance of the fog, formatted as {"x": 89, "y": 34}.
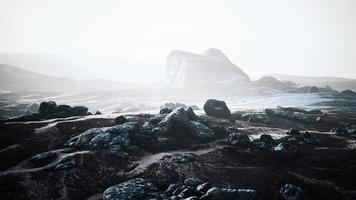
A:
{"x": 310, "y": 38}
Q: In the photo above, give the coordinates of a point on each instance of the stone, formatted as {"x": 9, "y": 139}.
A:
{"x": 206, "y": 72}
{"x": 191, "y": 114}
{"x": 183, "y": 158}
{"x": 47, "y": 107}
{"x": 176, "y": 123}
{"x": 238, "y": 139}
{"x": 193, "y": 182}
{"x": 120, "y": 120}
{"x": 137, "y": 188}
{"x": 293, "y": 131}
{"x": 165, "y": 111}
{"x": 217, "y": 109}
{"x": 229, "y": 193}
{"x": 292, "y": 192}
{"x": 201, "y": 132}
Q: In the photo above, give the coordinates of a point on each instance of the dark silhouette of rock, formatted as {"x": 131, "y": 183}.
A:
{"x": 238, "y": 139}
{"x": 47, "y": 108}
{"x": 216, "y": 108}
{"x": 120, "y": 120}
{"x": 201, "y": 132}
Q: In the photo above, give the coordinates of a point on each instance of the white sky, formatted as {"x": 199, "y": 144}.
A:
{"x": 300, "y": 37}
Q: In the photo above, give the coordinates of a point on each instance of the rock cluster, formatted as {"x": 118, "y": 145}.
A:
{"x": 190, "y": 189}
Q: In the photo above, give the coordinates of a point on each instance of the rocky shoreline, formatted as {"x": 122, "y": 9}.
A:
{"x": 281, "y": 153}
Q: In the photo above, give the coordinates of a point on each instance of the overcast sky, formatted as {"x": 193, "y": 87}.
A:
{"x": 301, "y": 37}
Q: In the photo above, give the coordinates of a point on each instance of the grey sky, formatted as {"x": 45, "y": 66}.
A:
{"x": 304, "y": 37}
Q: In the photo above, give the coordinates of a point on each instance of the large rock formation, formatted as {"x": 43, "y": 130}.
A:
{"x": 211, "y": 69}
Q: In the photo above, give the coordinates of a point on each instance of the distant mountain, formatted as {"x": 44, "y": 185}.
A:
{"x": 337, "y": 83}
{"x": 13, "y": 78}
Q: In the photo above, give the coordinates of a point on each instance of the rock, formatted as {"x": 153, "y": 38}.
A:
{"x": 157, "y": 118}
{"x": 201, "y": 132}
{"x": 165, "y": 111}
{"x": 188, "y": 192}
{"x": 238, "y": 139}
{"x": 120, "y": 120}
{"x": 266, "y": 138}
{"x": 293, "y": 131}
{"x": 216, "y": 193}
{"x": 176, "y": 123}
{"x": 315, "y": 112}
{"x": 286, "y": 149}
{"x": 47, "y": 107}
{"x": 83, "y": 139}
{"x": 289, "y": 114}
{"x": 204, "y": 187}
{"x": 62, "y": 108}
{"x": 33, "y": 107}
{"x": 292, "y": 192}
{"x": 216, "y": 108}
{"x": 97, "y": 112}
{"x": 211, "y": 70}
{"x": 273, "y": 83}
{"x": 191, "y": 114}
{"x": 348, "y": 93}
{"x": 183, "y": 158}
{"x": 339, "y": 131}
{"x": 173, "y": 106}
{"x": 193, "y": 182}
{"x": 133, "y": 189}
{"x": 78, "y": 111}
{"x": 65, "y": 162}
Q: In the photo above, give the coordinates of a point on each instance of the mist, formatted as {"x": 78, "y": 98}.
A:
{"x": 130, "y": 40}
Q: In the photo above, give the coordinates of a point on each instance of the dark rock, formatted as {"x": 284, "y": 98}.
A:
{"x": 216, "y": 193}
{"x": 204, "y": 187}
{"x": 120, "y": 120}
{"x": 201, "y": 132}
{"x": 293, "y": 131}
{"x": 165, "y": 111}
{"x": 62, "y": 108}
{"x": 133, "y": 189}
{"x": 315, "y": 112}
{"x": 216, "y": 108}
{"x": 187, "y": 192}
{"x": 286, "y": 149}
{"x": 191, "y": 114}
{"x": 154, "y": 120}
{"x": 238, "y": 139}
{"x": 97, "y": 112}
{"x": 290, "y": 113}
{"x": 47, "y": 107}
{"x": 173, "y": 187}
{"x": 266, "y": 138}
{"x": 183, "y": 158}
{"x": 339, "y": 131}
{"x": 348, "y": 93}
{"x": 176, "y": 123}
{"x": 292, "y": 192}
{"x": 193, "y": 182}
{"x": 65, "y": 162}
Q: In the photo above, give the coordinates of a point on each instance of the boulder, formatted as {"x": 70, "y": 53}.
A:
{"x": 137, "y": 188}
{"x": 193, "y": 182}
{"x": 201, "y": 132}
{"x": 217, "y": 193}
{"x": 120, "y": 120}
{"x": 216, "y": 108}
{"x": 238, "y": 139}
{"x": 208, "y": 71}
{"x": 47, "y": 107}
{"x": 176, "y": 123}
{"x": 184, "y": 158}
{"x": 292, "y": 192}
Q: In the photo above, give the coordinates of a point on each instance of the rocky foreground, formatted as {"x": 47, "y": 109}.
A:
{"x": 281, "y": 153}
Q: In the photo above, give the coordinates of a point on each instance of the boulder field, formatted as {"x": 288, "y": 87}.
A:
{"x": 281, "y": 153}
